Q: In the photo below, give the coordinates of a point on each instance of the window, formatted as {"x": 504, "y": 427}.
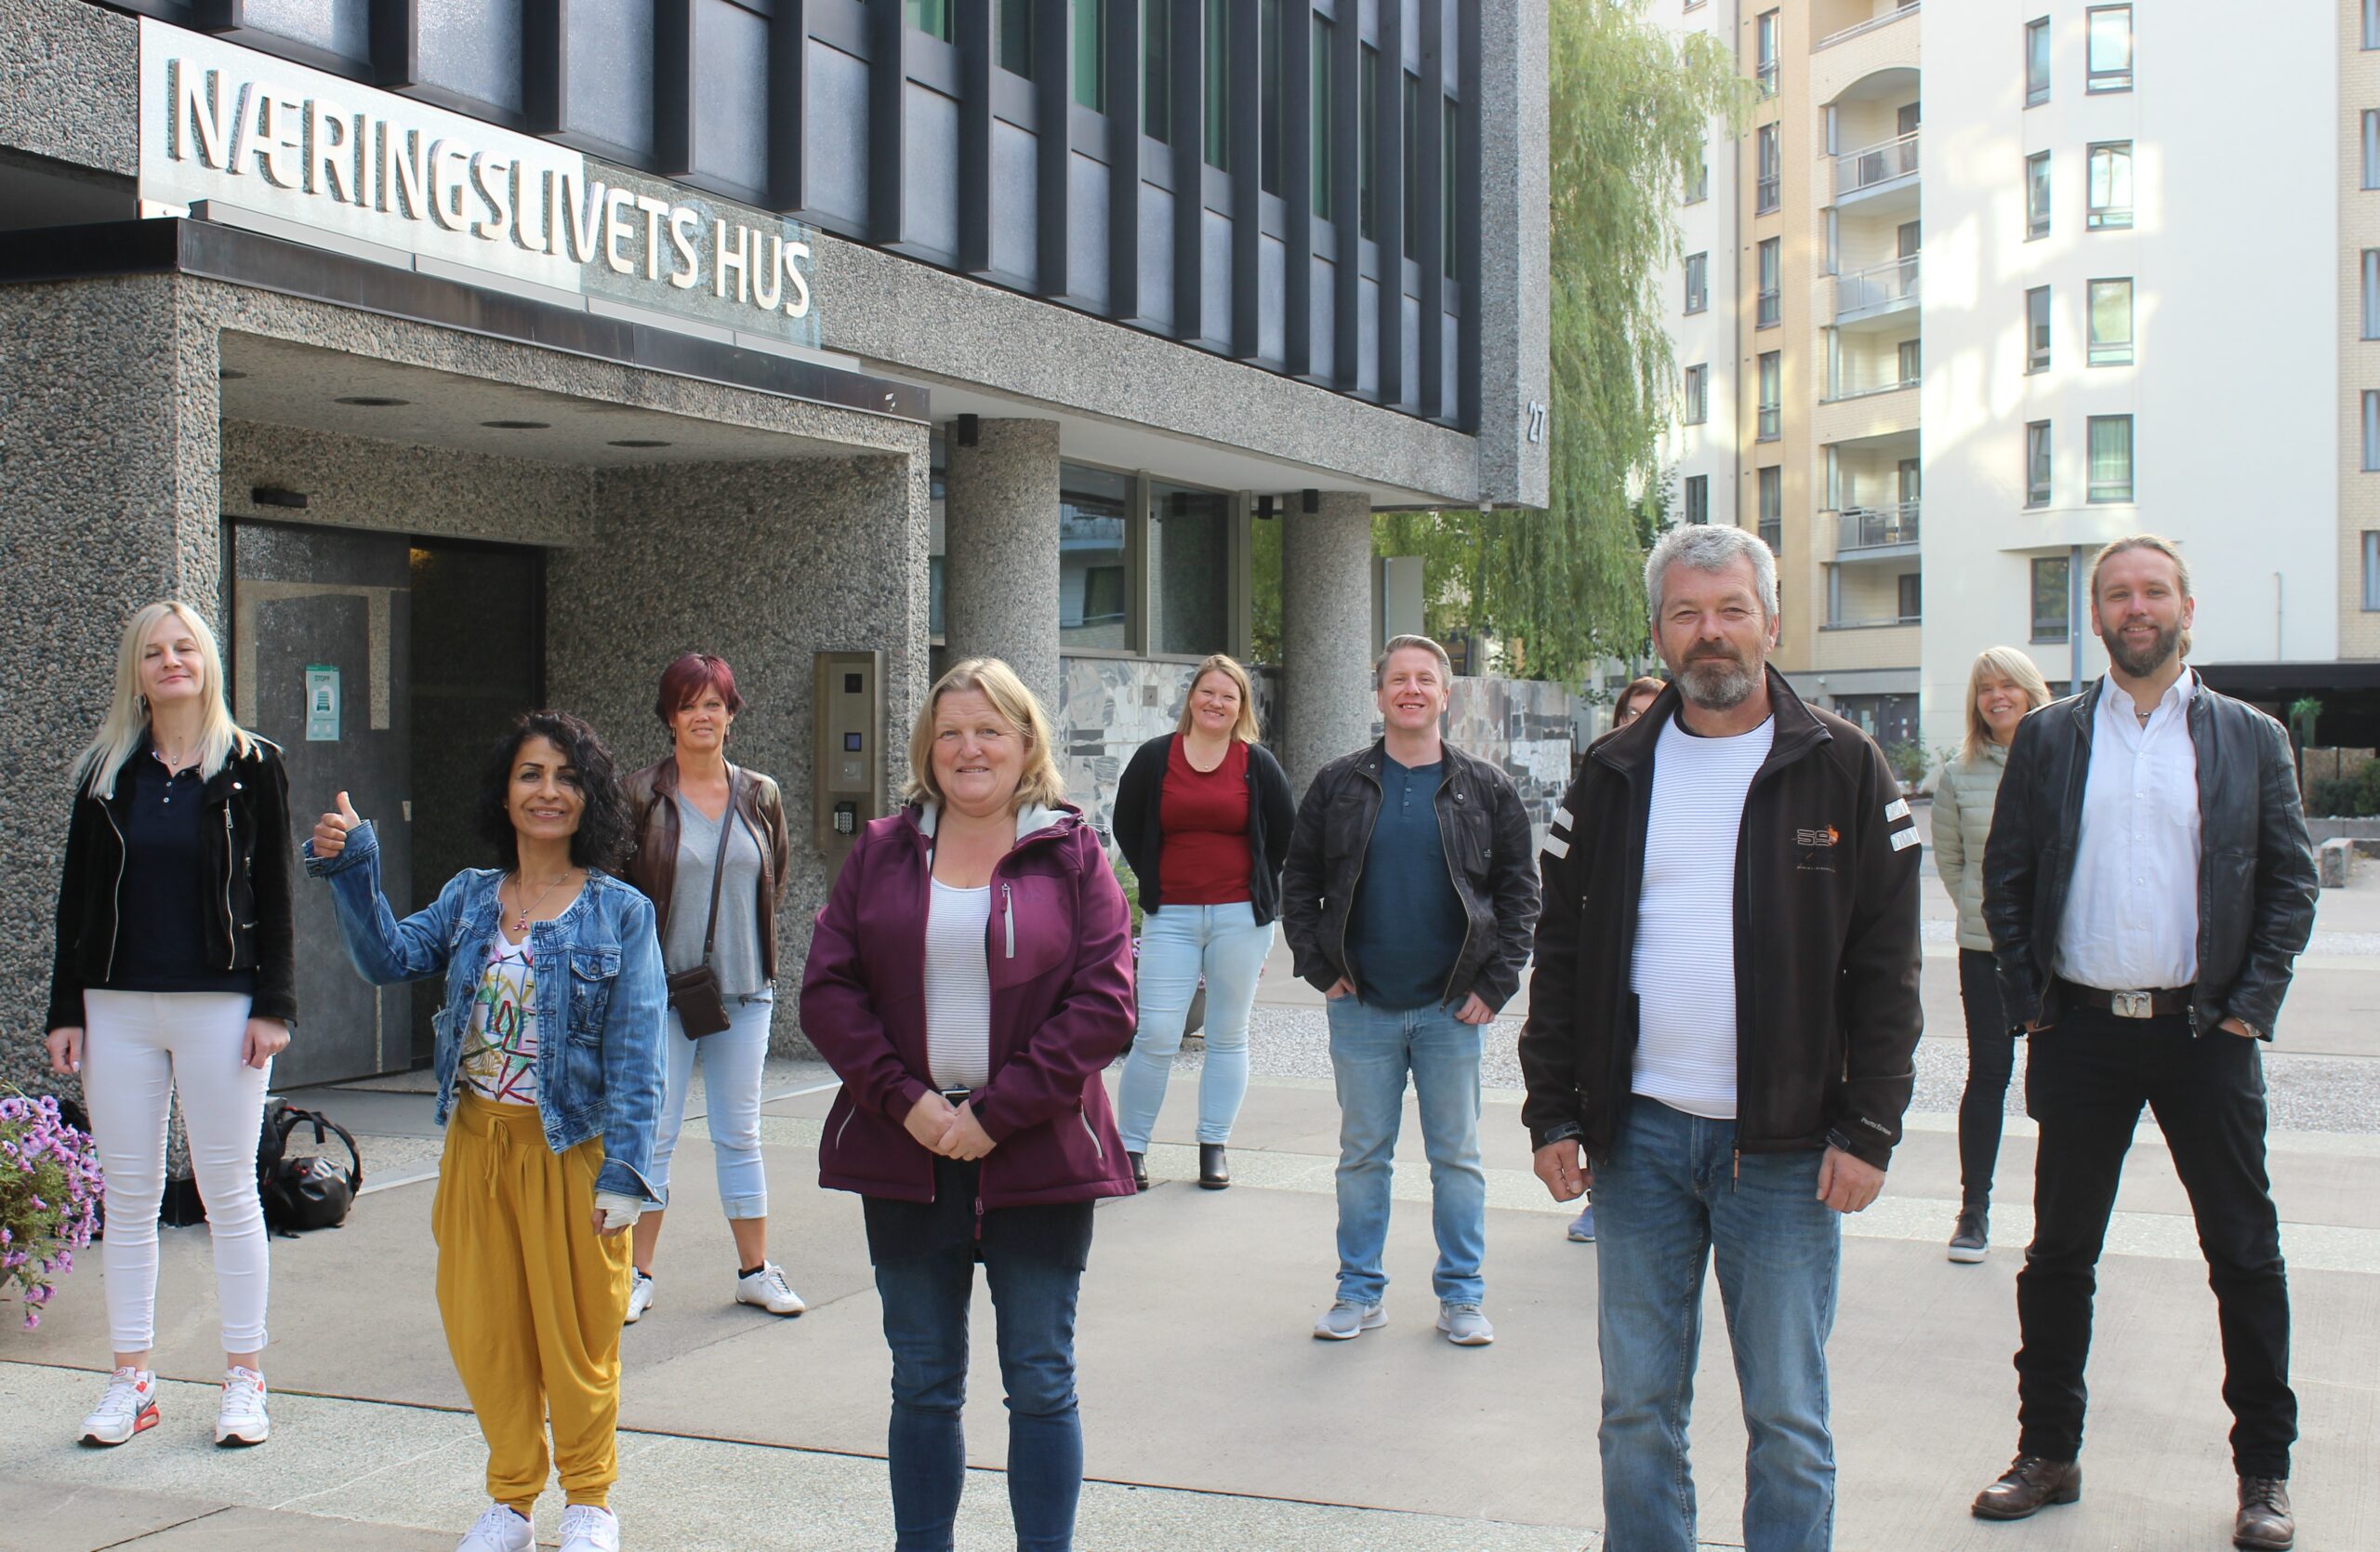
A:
{"x": 2372, "y": 431}
{"x": 2037, "y": 61}
{"x": 1218, "y": 85}
{"x": 931, "y": 17}
{"x": 1016, "y": 37}
{"x": 1767, "y": 71}
{"x": 1698, "y": 395}
{"x": 2111, "y": 186}
{"x": 2037, "y": 195}
{"x": 1268, "y": 98}
{"x": 1089, "y": 50}
{"x": 2372, "y": 293}
{"x": 1319, "y": 131}
{"x": 2372, "y": 146}
{"x": 2037, "y": 330}
{"x": 2107, "y": 40}
{"x": 1366, "y": 139}
{"x": 2037, "y": 464}
{"x": 1772, "y": 508}
{"x": 2110, "y": 457}
{"x": 1156, "y": 69}
{"x": 1093, "y": 505}
{"x": 1697, "y": 175}
{"x": 1772, "y": 395}
{"x": 1411, "y": 105}
{"x": 1771, "y": 284}
{"x": 2053, "y": 604}
{"x": 1189, "y": 558}
{"x": 2112, "y": 322}
{"x": 1770, "y": 168}
{"x": 1450, "y": 141}
{"x": 1911, "y": 362}
{"x": 1698, "y": 284}
{"x": 1698, "y": 499}
{"x": 1911, "y": 598}
{"x": 2372, "y": 23}
{"x": 2370, "y": 570}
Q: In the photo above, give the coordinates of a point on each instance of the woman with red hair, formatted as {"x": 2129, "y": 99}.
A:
{"x": 711, "y": 854}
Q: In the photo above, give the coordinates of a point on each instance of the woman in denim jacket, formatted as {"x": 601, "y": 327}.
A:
{"x": 547, "y": 1158}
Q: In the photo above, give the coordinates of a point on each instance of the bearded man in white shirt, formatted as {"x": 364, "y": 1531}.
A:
{"x": 2147, "y": 885}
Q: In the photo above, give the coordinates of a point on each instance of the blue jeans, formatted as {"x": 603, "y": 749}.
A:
{"x": 926, "y": 1297}
{"x": 732, "y": 1062}
{"x": 1372, "y": 1051}
{"x": 1667, "y": 1201}
{"x": 1178, "y": 944}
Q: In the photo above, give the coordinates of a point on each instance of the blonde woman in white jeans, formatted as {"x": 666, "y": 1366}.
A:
{"x": 173, "y": 973}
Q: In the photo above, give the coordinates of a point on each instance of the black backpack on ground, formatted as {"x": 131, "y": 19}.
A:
{"x": 308, "y": 1191}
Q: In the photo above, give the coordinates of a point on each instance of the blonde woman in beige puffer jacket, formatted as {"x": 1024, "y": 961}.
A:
{"x": 2002, "y": 688}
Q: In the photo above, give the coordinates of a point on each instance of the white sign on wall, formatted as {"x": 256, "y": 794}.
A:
{"x": 227, "y": 126}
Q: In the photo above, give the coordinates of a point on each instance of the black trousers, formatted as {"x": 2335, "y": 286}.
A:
{"x": 2085, "y": 1082}
{"x": 1991, "y": 1056}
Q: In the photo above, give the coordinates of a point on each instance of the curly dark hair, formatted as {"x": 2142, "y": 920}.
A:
{"x": 605, "y": 837}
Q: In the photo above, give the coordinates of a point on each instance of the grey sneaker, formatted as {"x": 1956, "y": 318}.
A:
{"x": 1346, "y": 1320}
{"x": 1583, "y": 1227}
{"x": 1972, "y": 1237}
{"x": 1464, "y": 1326}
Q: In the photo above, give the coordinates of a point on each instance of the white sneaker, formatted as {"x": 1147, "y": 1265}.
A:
{"x": 499, "y": 1529}
{"x": 640, "y": 1299}
{"x": 586, "y": 1528}
{"x": 767, "y": 1289}
{"x": 241, "y": 1419}
{"x": 129, "y": 1406}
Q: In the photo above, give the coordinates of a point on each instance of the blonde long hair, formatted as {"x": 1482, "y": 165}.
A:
{"x": 1039, "y": 782}
{"x": 127, "y": 718}
{"x": 1243, "y": 727}
{"x": 2001, "y": 662}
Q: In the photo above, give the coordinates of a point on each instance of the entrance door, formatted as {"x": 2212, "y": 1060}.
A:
{"x": 322, "y": 628}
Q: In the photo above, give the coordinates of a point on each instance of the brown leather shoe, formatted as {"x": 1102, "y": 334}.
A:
{"x": 2030, "y": 1483}
{"x": 2265, "y": 1523}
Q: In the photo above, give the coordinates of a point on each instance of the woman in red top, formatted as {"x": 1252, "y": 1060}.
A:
{"x": 1203, "y": 816}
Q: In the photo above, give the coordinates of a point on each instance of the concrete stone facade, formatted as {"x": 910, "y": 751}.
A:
{"x": 1326, "y": 633}
{"x": 1002, "y": 519}
{"x": 1515, "y": 316}
{"x": 68, "y": 84}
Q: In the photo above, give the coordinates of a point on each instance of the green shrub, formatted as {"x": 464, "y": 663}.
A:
{"x": 2334, "y": 798}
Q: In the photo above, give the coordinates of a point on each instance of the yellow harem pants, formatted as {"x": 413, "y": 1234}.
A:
{"x": 533, "y": 1299}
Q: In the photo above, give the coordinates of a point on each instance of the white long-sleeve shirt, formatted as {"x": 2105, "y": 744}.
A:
{"x": 2130, "y": 921}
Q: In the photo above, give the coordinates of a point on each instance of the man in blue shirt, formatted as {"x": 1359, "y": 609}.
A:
{"x": 1410, "y": 900}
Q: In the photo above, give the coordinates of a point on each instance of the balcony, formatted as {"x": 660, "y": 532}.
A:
{"x": 1876, "y": 290}
{"x": 1868, "y": 533}
{"x": 1873, "y": 169}
{"x": 1861, "y": 29}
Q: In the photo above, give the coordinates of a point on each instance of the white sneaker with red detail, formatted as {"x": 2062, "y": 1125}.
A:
{"x": 586, "y": 1528}
{"x": 499, "y": 1529}
{"x": 129, "y": 1406}
{"x": 241, "y": 1418}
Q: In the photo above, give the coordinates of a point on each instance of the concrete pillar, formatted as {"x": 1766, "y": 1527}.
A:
{"x": 1000, "y": 540}
{"x": 1327, "y": 705}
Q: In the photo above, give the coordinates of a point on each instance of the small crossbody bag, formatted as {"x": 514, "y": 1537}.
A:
{"x": 693, "y": 993}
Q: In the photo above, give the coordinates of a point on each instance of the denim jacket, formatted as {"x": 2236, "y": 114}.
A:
{"x": 607, "y": 1075}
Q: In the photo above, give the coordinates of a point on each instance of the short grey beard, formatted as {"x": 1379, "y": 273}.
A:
{"x": 1713, "y": 685}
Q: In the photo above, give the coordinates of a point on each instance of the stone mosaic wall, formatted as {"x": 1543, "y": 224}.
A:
{"x": 1524, "y": 725}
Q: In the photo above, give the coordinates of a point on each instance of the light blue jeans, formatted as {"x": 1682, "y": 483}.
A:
{"x": 1372, "y": 1051}
{"x": 1178, "y": 944}
{"x": 1668, "y": 1200}
{"x": 732, "y": 1062}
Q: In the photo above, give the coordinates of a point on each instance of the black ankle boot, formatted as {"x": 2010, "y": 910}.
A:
{"x": 1140, "y": 1171}
{"x": 1214, "y": 1172}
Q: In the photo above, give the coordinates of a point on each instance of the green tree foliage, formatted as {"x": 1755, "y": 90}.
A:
{"x": 1630, "y": 107}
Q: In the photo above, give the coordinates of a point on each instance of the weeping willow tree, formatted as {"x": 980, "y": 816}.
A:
{"x": 1629, "y": 108}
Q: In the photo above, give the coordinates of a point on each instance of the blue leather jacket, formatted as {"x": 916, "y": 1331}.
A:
{"x": 607, "y": 1075}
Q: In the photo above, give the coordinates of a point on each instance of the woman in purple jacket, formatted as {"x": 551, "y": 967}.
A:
{"x": 969, "y": 979}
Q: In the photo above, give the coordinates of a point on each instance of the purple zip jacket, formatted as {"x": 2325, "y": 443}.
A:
{"x": 1059, "y": 945}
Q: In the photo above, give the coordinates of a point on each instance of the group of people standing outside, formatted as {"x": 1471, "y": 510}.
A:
{"x": 1723, "y": 919}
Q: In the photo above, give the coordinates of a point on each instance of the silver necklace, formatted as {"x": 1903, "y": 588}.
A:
{"x": 520, "y": 885}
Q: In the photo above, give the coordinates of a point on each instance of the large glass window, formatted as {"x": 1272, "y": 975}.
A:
{"x": 1768, "y": 192}
{"x": 1698, "y": 499}
{"x": 2112, "y": 322}
{"x": 2372, "y": 431}
{"x": 2372, "y": 23}
{"x": 1218, "y": 81}
{"x": 1697, "y": 176}
{"x": 1411, "y": 105}
{"x": 2037, "y": 330}
{"x": 1189, "y": 543}
{"x": 1016, "y": 37}
{"x": 2036, "y": 63}
{"x": 2037, "y": 464}
{"x": 2052, "y": 605}
{"x": 2370, "y": 570}
{"x": 2111, "y": 189}
{"x": 1911, "y": 360}
{"x": 1268, "y": 97}
{"x": 1771, "y": 283}
{"x": 1698, "y": 282}
{"x": 1367, "y": 140}
{"x": 1156, "y": 69}
{"x": 1772, "y": 508}
{"x": 1449, "y": 140}
{"x": 2110, "y": 457}
{"x": 1320, "y": 130}
{"x": 1908, "y": 588}
{"x": 2037, "y": 195}
{"x": 1090, "y": 54}
{"x": 1767, "y": 46}
{"x": 2108, "y": 38}
{"x": 2372, "y": 293}
{"x": 931, "y": 17}
{"x": 1772, "y": 395}
{"x": 1094, "y": 592}
{"x": 1697, "y": 394}
{"x": 2372, "y": 148}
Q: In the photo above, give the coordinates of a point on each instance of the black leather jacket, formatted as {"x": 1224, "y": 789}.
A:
{"x": 245, "y": 913}
{"x": 1486, "y": 832}
{"x": 2257, "y": 879}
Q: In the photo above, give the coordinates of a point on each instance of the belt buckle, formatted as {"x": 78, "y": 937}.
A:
{"x": 2132, "y": 1004}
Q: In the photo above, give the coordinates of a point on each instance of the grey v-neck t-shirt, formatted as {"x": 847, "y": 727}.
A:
{"x": 736, "y": 953}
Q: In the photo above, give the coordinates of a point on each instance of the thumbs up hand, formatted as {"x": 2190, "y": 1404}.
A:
{"x": 330, "y": 830}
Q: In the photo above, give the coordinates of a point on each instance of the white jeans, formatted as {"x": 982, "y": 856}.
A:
{"x": 137, "y": 1048}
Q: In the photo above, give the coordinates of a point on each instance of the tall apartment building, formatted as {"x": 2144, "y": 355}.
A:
{"x": 1941, "y": 340}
